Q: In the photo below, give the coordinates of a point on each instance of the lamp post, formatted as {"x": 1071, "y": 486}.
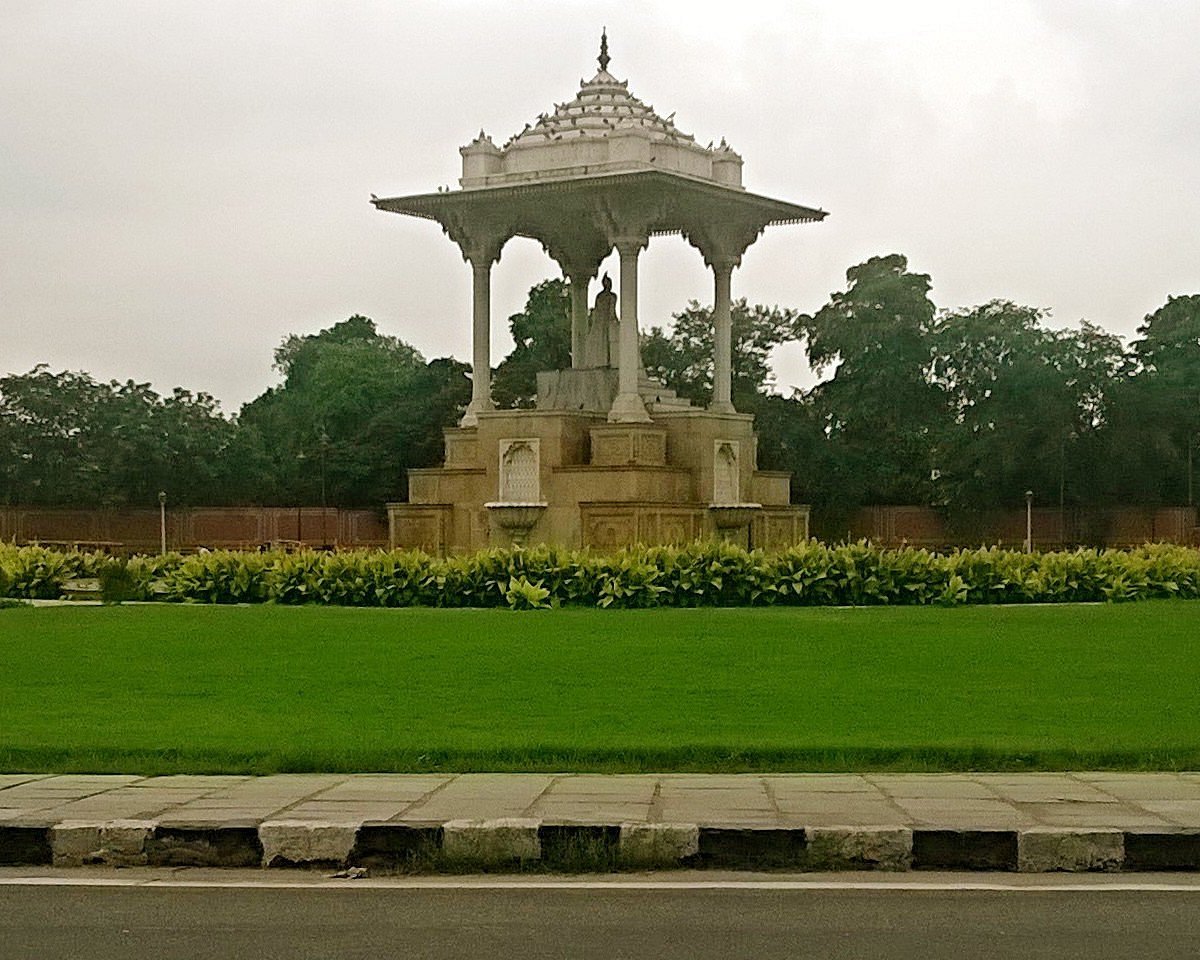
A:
{"x": 300, "y": 458}
{"x": 323, "y": 442}
{"x": 1191, "y": 470}
{"x": 1029, "y": 521}
{"x": 162, "y": 522}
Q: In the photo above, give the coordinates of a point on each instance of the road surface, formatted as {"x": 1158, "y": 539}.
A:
{"x": 117, "y": 915}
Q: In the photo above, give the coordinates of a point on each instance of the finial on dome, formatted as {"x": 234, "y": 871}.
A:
{"x": 604, "y": 58}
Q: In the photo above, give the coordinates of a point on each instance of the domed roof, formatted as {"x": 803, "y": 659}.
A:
{"x": 602, "y": 106}
{"x": 604, "y": 129}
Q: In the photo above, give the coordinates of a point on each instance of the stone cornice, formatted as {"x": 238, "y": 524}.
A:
{"x": 681, "y": 204}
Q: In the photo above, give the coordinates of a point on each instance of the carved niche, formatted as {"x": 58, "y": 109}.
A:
{"x": 726, "y": 474}
{"x": 520, "y": 471}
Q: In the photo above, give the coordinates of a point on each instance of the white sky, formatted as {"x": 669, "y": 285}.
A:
{"x": 183, "y": 184}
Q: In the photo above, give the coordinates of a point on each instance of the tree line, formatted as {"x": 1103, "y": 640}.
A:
{"x": 354, "y": 411}
{"x": 965, "y": 409}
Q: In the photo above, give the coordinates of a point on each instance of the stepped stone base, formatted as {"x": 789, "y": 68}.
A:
{"x": 688, "y": 474}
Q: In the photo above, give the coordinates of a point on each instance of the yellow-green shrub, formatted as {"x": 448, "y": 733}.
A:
{"x": 698, "y": 574}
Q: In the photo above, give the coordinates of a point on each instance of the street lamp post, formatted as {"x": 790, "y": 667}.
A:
{"x": 162, "y": 521}
{"x": 323, "y": 441}
{"x": 1029, "y": 521}
{"x": 300, "y": 458}
{"x": 1191, "y": 470}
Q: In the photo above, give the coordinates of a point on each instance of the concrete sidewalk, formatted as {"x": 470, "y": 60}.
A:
{"x": 1031, "y": 822}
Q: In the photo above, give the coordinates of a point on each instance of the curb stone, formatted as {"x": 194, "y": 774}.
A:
{"x": 491, "y": 843}
{"x": 1046, "y": 849}
{"x": 657, "y": 844}
{"x": 510, "y": 843}
{"x": 859, "y": 848}
{"x": 114, "y": 843}
{"x": 306, "y": 842}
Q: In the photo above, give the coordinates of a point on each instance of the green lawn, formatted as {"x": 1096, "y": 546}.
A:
{"x": 263, "y": 689}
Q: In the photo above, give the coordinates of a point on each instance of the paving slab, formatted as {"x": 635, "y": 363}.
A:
{"x": 399, "y": 787}
{"x": 13, "y": 779}
{"x": 819, "y": 783}
{"x": 278, "y": 787}
{"x": 206, "y": 782}
{"x": 1149, "y": 788}
{"x": 1044, "y": 789}
{"x": 849, "y": 816}
{"x": 950, "y": 788}
{"x": 217, "y": 819}
{"x": 37, "y": 791}
{"x": 604, "y": 785}
{"x": 359, "y": 811}
{"x": 588, "y": 813}
{"x": 680, "y": 802}
{"x": 713, "y": 781}
{"x": 481, "y": 796}
{"x": 1184, "y": 813}
{"x": 959, "y": 814}
{"x": 19, "y": 814}
{"x": 113, "y": 807}
{"x": 597, "y": 799}
{"x": 72, "y": 785}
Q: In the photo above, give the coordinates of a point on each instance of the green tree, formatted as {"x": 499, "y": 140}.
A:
{"x": 881, "y": 414}
{"x": 1026, "y": 405}
{"x": 67, "y": 439}
{"x": 542, "y": 341}
{"x": 355, "y": 412}
{"x": 683, "y": 359}
{"x": 1161, "y": 405}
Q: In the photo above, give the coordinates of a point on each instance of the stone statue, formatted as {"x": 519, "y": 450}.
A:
{"x": 601, "y": 343}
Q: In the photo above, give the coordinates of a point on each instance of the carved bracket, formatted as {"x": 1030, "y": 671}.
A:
{"x": 723, "y": 244}
{"x": 578, "y": 252}
{"x": 480, "y": 241}
{"x": 627, "y": 219}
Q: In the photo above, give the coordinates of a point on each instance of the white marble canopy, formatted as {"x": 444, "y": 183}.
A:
{"x": 601, "y": 171}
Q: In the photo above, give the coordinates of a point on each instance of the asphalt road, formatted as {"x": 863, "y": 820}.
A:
{"x": 48, "y": 922}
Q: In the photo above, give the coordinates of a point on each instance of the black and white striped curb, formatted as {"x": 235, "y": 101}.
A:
{"x": 511, "y": 844}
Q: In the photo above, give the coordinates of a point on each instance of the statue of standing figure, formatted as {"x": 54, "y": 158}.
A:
{"x": 601, "y": 343}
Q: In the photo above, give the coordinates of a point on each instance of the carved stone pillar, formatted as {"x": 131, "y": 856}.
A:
{"x": 578, "y": 288}
{"x": 628, "y": 407}
{"x": 481, "y": 254}
{"x": 578, "y": 249}
{"x": 722, "y": 247}
{"x": 722, "y": 398}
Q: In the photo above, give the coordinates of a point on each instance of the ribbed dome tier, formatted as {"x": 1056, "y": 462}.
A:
{"x": 605, "y": 129}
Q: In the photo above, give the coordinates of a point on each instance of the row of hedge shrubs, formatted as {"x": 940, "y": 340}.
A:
{"x": 701, "y": 574}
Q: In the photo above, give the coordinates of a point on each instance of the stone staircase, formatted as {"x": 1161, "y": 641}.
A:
{"x": 661, "y": 397}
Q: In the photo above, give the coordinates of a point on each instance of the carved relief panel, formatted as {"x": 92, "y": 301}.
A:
{"x": 726, "y": 475}
{"x": 520, "y": 471}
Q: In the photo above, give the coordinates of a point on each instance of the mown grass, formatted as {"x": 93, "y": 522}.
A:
{"x": 262, "y": 689}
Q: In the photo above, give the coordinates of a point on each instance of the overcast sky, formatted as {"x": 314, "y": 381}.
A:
{"x": 183, "y": 184}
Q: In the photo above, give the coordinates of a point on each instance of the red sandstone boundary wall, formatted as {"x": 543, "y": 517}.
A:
{"x": 1052, "y": 528}
{"x": 188, "y": 528}
{"x": 247, "y": 528}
